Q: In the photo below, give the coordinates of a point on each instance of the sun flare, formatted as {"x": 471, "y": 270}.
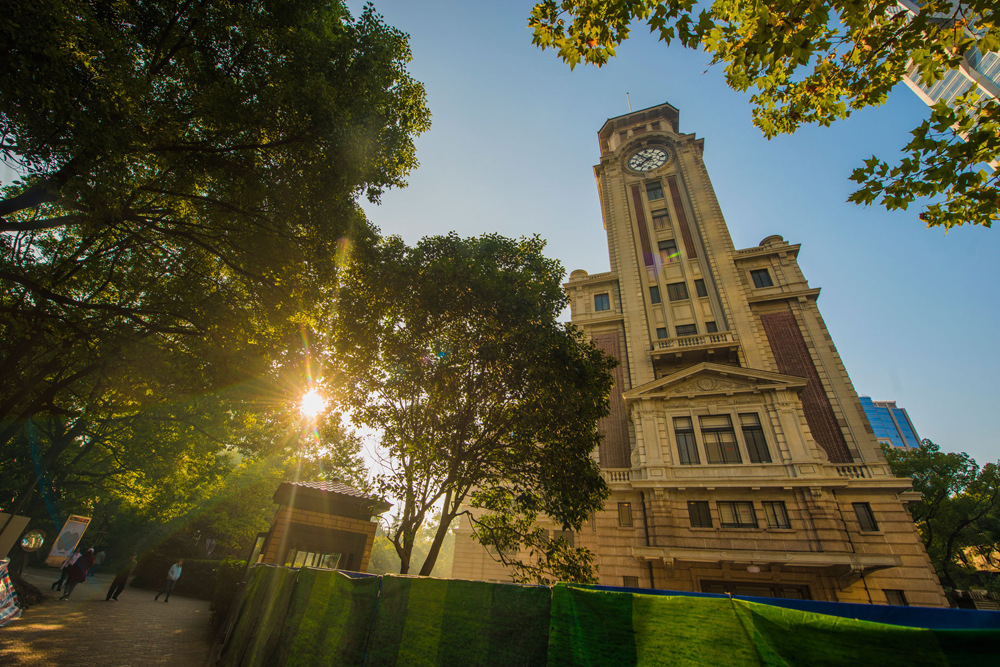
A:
{"x": 312, "y": 404}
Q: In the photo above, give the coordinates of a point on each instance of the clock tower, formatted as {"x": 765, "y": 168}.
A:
{"x": 737, "y": 451}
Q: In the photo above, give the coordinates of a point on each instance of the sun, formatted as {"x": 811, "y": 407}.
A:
{"x": 312, "y": 404}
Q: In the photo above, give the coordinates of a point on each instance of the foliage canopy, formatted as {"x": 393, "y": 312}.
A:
{"x": 818, "y": 62}
{"x": 959, "y": 512}
{"x": 487, "y": 405}
{"x": 188, "y": 180}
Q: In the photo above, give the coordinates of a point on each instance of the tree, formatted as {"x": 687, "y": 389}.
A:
{"x": 818, "y": 62}
{"x": 959, "y": 508}
{"x": 484, "y": 401}
{"x": 188, "y": 178}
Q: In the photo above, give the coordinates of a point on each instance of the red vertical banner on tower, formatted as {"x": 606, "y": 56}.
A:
{"x": 682, "y": 221}
{"x": 640, "y": 216}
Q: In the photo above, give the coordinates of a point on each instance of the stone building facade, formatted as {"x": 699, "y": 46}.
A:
{"x": 738, "y": 454}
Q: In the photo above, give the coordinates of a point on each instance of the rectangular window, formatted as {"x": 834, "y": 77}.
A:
{"x": 737, "y": 515}
{"x": 761, "y": 278}
{"x": 668, "y": 251}
{"x": 623, "y": 135}
{"x": 654, "y": 294}
{"x": 568, "y": 535}
{"x": 602, "y": 302}
{"x": 625, "y": 515}
{"x": 654, "y": 190}
{"x": 661, "y": 220}
{"x": 776, "y": 514}
{"x": 896, "y": 598}
{"x": 687, "y": 448}
{"x": 687, "y": 329}
{"x": 699, "y": 287}
{"x": 677, "y": 291}
{"x": 655, "y": 125}
{"x": 720, "y": 439}
{"x": 753, "y": 433}
{"x": 700, "y": 514}
{"x": 865, "y": 517}
{"x": 630, "y": 582}
{"x": 711, "y": 327}
{"x": 661, "y": 332}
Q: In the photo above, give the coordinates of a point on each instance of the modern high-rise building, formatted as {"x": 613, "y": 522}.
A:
{"x": 890, "y": 424}
{"x": 737, "y": 452}
{"x": 978, "y": 70}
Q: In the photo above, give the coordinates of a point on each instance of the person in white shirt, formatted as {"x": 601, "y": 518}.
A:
{"x": 172, "y": 576}
{"x": 57, "y": 586}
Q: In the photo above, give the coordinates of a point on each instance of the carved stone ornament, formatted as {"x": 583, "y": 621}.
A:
{"x": 707, "y": 384}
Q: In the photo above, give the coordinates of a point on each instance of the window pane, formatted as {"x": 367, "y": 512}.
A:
{"x": 687, "y": 329}
{"x": 625, "y": 515}
{"x": 602, "y": 302}
{"x": 866, "y": 519}
{"x": 761, "y": 278}
{"x": 711, "y": 327}
{"x": 668, "y": 251}
{"x": 654, "y": 294}
{"x": 754, "y": 436}
{"x": 677, "y": 291}
{"x": 699, "y": 514}
{"x": 776, "y": 514}
{"x": 715, "y": 421}
{"x": 630, "y": 582}
{"x": 661, "y": 221}
{"x": 661, "y": 332}
{"x": 896, "y": 598}
{"x": 737, "y": 515}
{"x": 687, "y": 447}
{"x": 699, "y": 287}
{"x": 654, "y": 190}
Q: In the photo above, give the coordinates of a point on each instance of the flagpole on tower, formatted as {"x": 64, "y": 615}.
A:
{"x": 629, "y": 102}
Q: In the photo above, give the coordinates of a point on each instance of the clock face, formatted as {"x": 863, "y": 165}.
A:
{"x": 648, "y": 159}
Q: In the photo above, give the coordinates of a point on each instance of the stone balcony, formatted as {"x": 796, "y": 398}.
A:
{"x": 748, "y": 475}
{"x": 701, "y": 347}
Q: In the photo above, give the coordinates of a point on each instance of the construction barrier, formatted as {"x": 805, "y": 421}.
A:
{"x": 9, "y": 610}
{"x": 302, "y": 618}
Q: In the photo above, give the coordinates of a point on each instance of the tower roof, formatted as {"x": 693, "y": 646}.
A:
{"x": 665, "y": 111}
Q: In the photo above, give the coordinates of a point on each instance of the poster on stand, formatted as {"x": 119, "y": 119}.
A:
{"x": 67, "y": 540}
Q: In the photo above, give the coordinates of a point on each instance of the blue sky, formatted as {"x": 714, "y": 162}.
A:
{"x": 511, "y": 150}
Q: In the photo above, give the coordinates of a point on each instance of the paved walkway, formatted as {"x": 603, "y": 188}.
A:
{"x": 87, "y": 630}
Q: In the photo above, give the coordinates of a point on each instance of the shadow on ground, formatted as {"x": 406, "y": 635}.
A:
{"x": 133, "y": 632}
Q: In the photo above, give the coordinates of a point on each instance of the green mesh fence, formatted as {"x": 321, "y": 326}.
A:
{"x": 328, "y": 619}
{"x": 448, "y": 622}
{"x": 306, "y": 618}
{"x": 256, "y": 637}
{"x": 614, "y": 629}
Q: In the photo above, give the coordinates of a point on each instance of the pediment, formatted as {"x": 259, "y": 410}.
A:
{"x": 708, "y": 379}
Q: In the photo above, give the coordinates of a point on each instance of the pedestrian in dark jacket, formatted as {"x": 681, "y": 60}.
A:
{"x": 78, "y": 572}
{"x": 118, "y": 585}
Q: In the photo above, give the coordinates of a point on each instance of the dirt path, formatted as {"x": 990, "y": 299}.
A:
{"x": 133, "y": 632}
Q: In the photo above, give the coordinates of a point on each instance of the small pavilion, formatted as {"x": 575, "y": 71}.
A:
{"x": 320, "y": 524}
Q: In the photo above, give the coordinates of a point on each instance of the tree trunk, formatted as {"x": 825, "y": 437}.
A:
{"x": 446, "y": 518}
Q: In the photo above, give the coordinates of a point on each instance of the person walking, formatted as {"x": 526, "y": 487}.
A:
{"x": 172, "y": 576}
{"x": 78, "y": 572}
{"x": 64, "y": 569}
{"x": 118, "y": 585}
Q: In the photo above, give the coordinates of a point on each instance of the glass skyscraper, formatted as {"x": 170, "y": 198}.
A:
{"x": 891, "y": 424}
{"x": 980, "y": 70}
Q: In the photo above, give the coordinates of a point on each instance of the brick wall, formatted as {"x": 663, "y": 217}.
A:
{"x": 792, "y": 356}
{"x": 615, "y": 449}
